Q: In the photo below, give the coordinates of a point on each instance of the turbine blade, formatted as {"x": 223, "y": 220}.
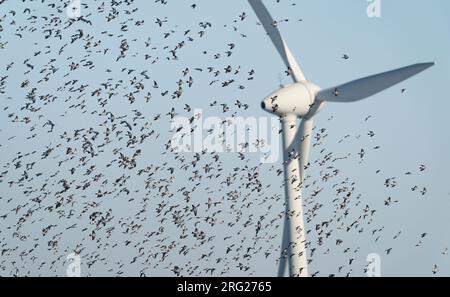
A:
{"x": 284, "y": 253}
{"x": 304, "y": 145}
{"x": 271, "y": 28}
{"x": 371, "y": 85}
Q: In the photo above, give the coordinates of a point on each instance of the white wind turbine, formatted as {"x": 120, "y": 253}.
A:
{"x": 303, "y": 99}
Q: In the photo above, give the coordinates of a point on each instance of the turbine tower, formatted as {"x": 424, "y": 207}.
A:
{"x": 303, "y": 100}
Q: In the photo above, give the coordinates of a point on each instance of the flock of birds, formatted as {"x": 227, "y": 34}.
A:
{"x": 89, "y": 168}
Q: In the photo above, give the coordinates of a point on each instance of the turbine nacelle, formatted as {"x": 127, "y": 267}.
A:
{"x": 298, "y": 99}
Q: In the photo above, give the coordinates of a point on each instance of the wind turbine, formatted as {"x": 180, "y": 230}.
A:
{"x": 303, "y": 99}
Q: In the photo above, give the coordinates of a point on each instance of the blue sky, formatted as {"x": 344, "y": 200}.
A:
{"x": 410, "y": 128}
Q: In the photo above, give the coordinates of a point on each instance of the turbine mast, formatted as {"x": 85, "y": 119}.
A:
{"x": 296, "y": 241}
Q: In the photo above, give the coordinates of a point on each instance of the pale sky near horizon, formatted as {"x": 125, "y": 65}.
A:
{"x": 410, "y": 128}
